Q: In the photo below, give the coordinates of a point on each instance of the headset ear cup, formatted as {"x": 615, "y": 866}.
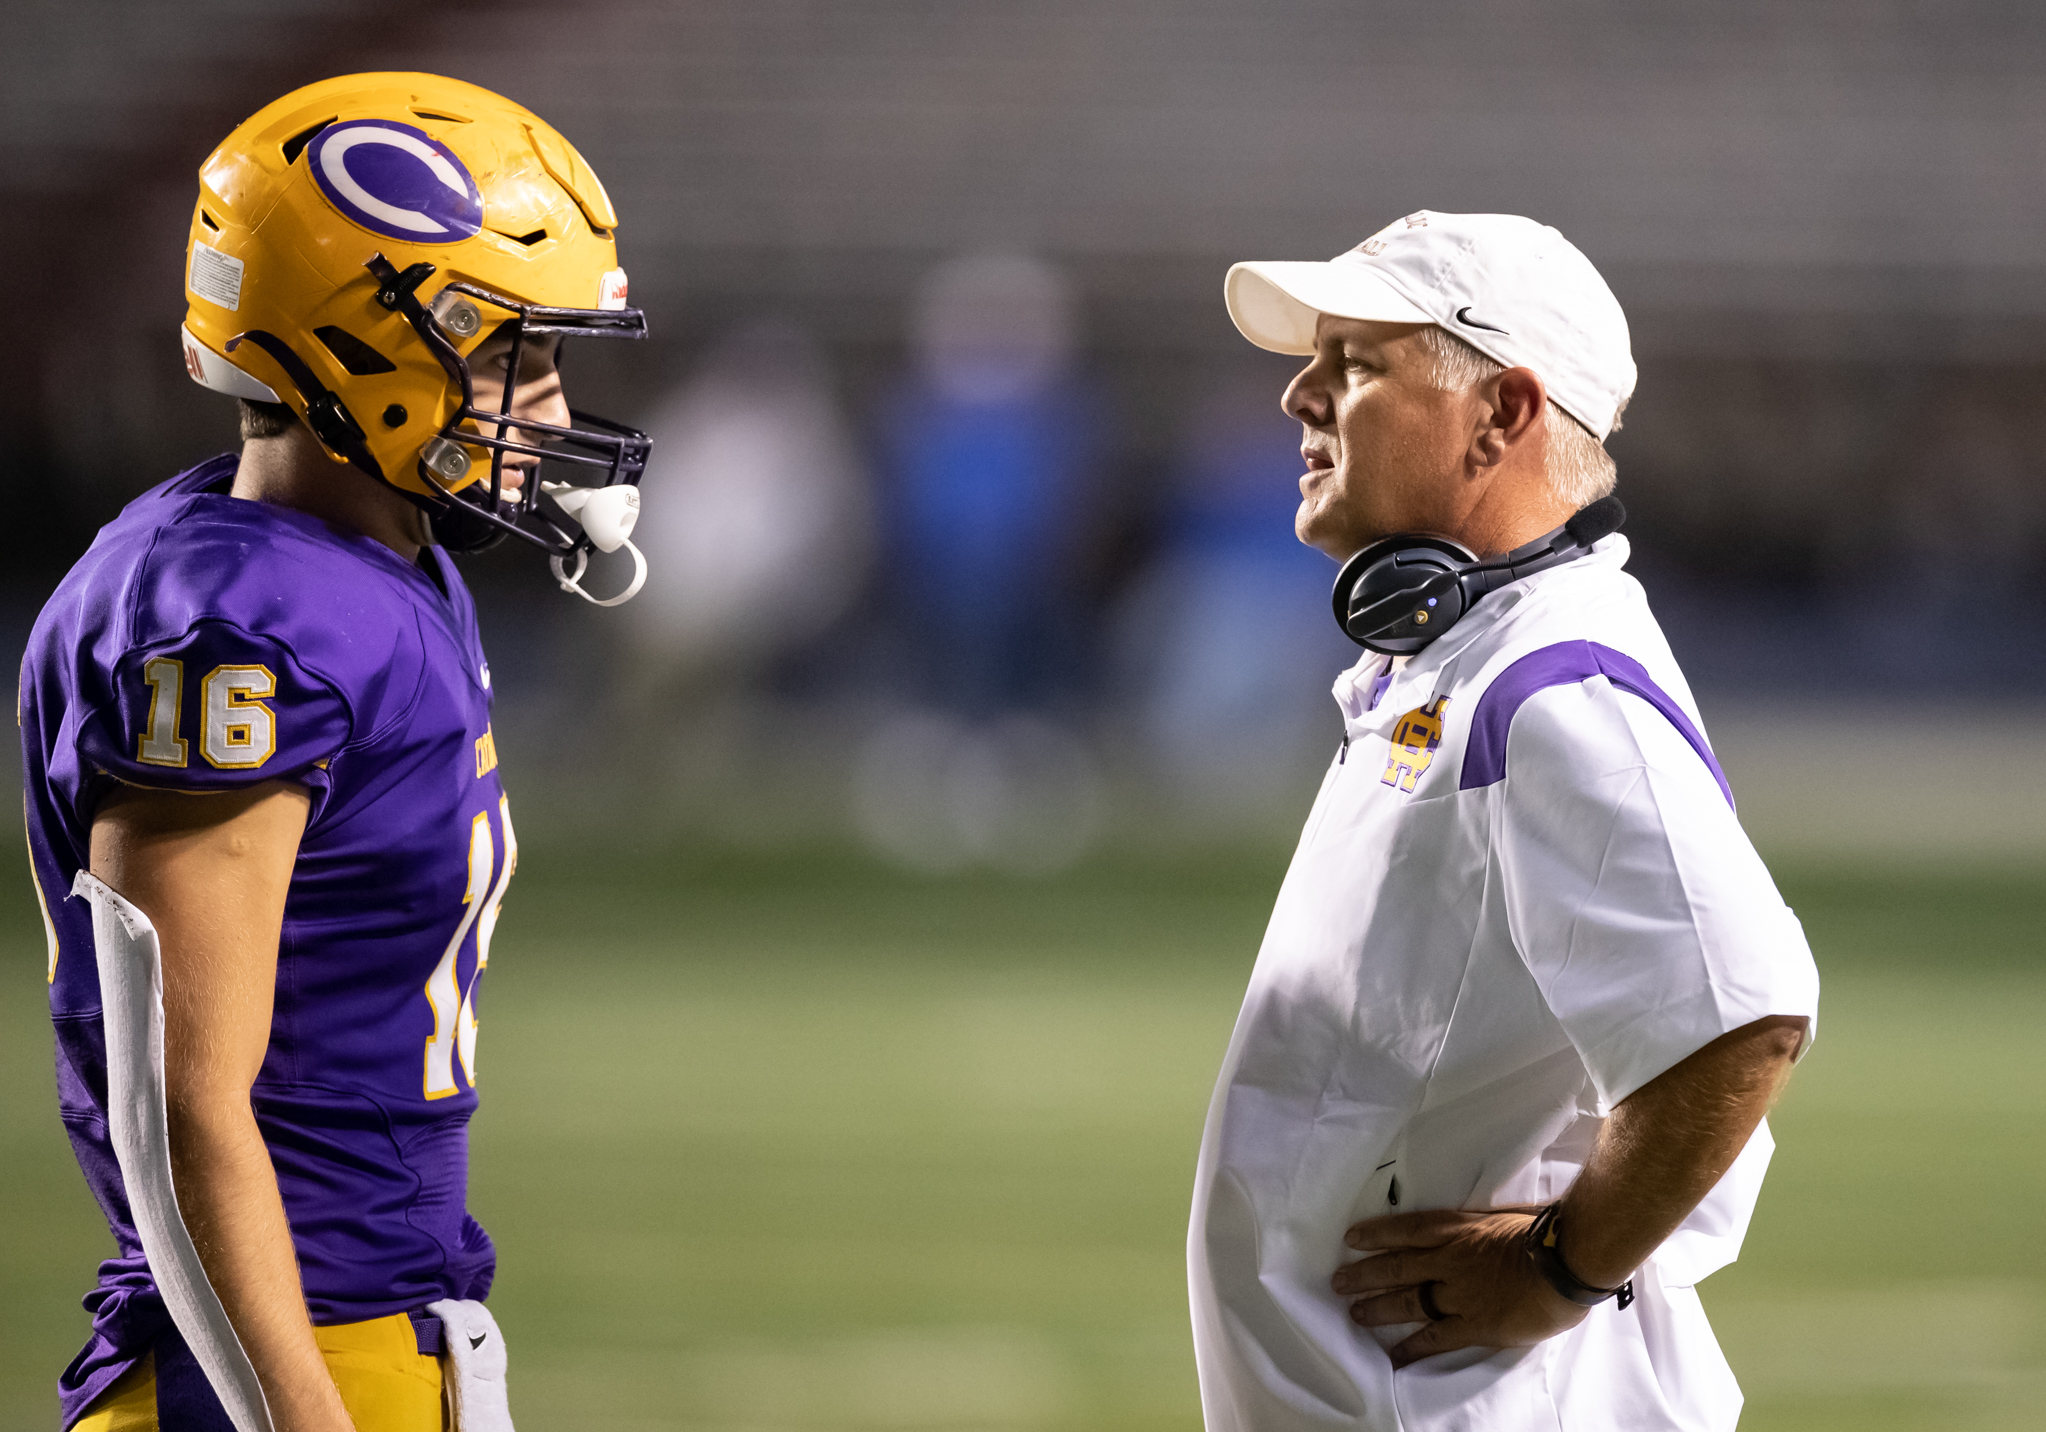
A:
{"x": 1400, "y": 594}
{"x": 1404, "y": 591}
{"x": 1346, "y": 582}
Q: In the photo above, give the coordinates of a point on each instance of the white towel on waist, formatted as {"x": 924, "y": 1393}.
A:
{"x": 476, "y": 1364}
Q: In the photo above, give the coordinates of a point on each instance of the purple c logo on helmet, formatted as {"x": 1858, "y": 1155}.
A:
{"x": 396, "y": 181}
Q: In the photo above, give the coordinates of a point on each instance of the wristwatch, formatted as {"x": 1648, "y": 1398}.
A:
{"x": 1548, "y": 1261}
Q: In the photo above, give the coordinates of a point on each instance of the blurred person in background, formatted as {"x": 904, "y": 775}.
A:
{"x": 1528, "y": 991}
{"x": 257, "y": 746}
{"x": 761, "y": 514}
{"x": 1219, "y": 640}
{"x": 989, "y": 450}
{"x": 989, "y": 447}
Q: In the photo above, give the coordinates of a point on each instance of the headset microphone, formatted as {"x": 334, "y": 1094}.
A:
{"x": 1402, "y": 592}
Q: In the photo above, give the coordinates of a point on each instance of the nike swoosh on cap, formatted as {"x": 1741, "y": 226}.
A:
{"x": 1463, "y": 316}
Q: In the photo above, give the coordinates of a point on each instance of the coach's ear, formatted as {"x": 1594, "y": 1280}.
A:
{"x": 1510, "y": 414}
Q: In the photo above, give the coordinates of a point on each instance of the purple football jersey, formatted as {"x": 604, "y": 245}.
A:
{"x": 208, "y": 643}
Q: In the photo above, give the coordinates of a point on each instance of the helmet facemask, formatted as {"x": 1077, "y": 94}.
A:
{"x": 472, "y": 515}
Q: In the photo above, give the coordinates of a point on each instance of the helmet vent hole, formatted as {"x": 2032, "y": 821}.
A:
{"x": 209, "y": 221}
{"x": 527, "y": 239}
{"x": 436, "y": 114}
{"x": 361, "y": 360}
{"x": 295, "y": 146}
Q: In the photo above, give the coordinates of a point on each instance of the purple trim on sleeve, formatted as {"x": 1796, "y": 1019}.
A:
{"x": 1563, "y": 664}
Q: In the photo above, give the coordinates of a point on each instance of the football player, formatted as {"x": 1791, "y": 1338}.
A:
{"x": 256, "y": 729}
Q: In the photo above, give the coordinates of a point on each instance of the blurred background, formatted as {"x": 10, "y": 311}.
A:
{"x": 896, "y": 859}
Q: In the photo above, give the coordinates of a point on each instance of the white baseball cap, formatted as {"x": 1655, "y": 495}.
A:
{"x": 1517, "y": 291}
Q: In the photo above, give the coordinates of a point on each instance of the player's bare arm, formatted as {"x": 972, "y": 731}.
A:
{"x": 1470, "y": 1275}
{"x": 211, "y": 872}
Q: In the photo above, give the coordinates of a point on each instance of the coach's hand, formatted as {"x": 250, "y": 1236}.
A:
{"x": 1467, "y": 1275}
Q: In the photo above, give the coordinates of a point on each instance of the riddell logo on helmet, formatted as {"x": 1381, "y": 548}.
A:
{"x": 396, "y": 181}
{"x": 611, "y": 290}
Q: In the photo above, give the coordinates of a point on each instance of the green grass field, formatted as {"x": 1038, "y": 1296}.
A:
{"x": 794, "y": 1143}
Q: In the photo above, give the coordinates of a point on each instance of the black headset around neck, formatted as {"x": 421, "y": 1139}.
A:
{"x": 1404, "y": 591}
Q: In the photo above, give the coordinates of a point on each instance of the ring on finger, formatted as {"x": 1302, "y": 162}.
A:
{"x": 1425, "y": 1296}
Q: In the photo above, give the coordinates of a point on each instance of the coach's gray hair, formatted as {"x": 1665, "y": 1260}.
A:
{"x": 1580, "y": 468}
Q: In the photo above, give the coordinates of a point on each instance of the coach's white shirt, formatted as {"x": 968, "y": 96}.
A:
{"x": 1521, "y": 895}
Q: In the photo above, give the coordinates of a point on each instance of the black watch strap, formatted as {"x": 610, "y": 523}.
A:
{"x": 1548, "y": 1260}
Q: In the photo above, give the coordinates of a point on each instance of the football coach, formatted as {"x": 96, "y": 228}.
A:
{"x": 1494, "y": 1103}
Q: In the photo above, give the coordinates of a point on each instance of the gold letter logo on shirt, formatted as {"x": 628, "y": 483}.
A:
{"x": 1413, "y": 744}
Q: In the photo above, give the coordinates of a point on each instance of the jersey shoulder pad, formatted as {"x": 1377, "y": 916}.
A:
{"x": 238, "y": 643}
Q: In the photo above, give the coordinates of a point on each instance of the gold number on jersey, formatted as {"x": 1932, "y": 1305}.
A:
{"x": 454, "y": 1009}
{"x": 161, "y": 744}
{"x": 486, "y": 926}
{"x": 239, "y": 732}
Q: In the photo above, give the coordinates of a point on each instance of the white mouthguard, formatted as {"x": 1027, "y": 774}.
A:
{"x": 607, "y": 514}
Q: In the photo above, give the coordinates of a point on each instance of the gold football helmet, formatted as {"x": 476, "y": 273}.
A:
{"x": 353, "y": 244}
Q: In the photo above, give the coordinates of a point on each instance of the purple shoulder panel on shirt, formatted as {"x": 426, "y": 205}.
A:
{"x": 1564, "y": 664}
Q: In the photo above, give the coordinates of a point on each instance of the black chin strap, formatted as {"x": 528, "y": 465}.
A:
{"x": 325, "y": 413}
